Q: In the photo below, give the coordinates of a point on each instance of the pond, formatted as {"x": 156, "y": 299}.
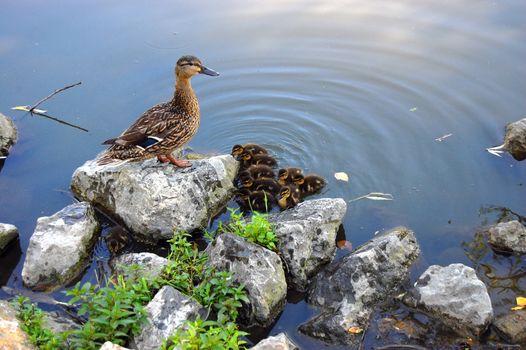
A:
{"x": 362, "y": 87}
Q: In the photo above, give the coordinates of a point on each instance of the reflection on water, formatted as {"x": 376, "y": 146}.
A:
{"x": 363, "y": 87}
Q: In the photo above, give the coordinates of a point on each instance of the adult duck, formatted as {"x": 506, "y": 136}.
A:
{"x": 164, "y": 127}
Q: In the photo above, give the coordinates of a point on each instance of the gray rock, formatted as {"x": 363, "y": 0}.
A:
{"x": 7, "y": 234}
{"x": 307, "y": 236}
{"x": 515, "y": 139}
{"x": 512, "y": 327}
{"x": 149, "y": 265}
{"x": 277, "y": 342}
{"x": 58, "y": 323}
{"x": 454, "y": 295}
{"x": 351, "y": 289}
{"x": 11, "y": 335}
{"x": 166, "y": 312}
{"x": 152, "y": 199}
{"x": 60, "y": 247}
{"x": 7, "y": 135}
{"x": 258, "y": 269}
{"x": 508, "y": 236}
{"x": 110, "y": 346}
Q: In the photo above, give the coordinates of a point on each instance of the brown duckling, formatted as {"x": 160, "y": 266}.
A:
{"x": 286, "y": 175}
{"x": 261, "y": 201}
{"x": 237, "y": 150}
{"x": 116, "y": 239}
{"x": 309, "y": 184}
{"x": 289, "y": 196}
{"x": 261, "y": 184}
{"x": 248, "y": 158}
{"x": 256, "y": 172}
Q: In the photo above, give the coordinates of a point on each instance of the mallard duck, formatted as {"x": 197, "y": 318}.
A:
{"x": 261, "y": 184}
{"x": 248, "y": 158}
{"x": 261, "y": 201}
{"x": 237, "y": 150}
{"x": 116, "y": 239}
{"x": 256, "y": 172}
{"x": 286, "y": 175}
{"x": 289, "y": 196}
{"x": 164, "y": 127}
{"x": 309, "y": 184}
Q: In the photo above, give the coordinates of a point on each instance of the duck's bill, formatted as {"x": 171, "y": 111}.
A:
{"x": 208, "y": 71}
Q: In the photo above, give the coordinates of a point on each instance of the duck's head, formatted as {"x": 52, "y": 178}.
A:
{"x": 243, "y": 194}
{"x": 298, "y": 179}
{"x": 247, "y": 181}
{"x": 237, "y": 150}
{"x": 285, "y": 192}
{"x": 283, "y": 174}
{"x": 246, "y": 156}
{"x": 188, "y": 66}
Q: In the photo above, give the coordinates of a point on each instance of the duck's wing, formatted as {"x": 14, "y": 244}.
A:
{"x": 149, "y": 129}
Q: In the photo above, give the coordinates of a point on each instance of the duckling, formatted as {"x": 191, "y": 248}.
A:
{"x": 289, "y": 196}
{"x": 286, "y": 175}
{"x": 261, "y": 201}
{"x": 256, "y": 172}
{"x": 237, "y": 150}
{"x": 261, "y": 184}
{"x": 309, "y": 184}
{"x": 164, "y": 127}
{"x": 116, "y": 239}
{"x": 248, "y": 158}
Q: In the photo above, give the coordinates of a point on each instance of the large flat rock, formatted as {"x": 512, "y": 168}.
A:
{"x": 152, "y": 199}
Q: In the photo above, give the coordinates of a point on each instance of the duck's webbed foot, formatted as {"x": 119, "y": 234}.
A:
{"x": 177, "y": 162}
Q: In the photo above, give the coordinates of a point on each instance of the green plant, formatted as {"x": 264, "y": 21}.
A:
{"x": 259, "y": 230}
{"x": 32, "y": 319}
{"x": 115, "y": 311}
{"x": 200, "y": 335}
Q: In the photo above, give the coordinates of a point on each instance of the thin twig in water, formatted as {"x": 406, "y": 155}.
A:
{"x": 31, "y": 109}
{"x": 61, "y": 121}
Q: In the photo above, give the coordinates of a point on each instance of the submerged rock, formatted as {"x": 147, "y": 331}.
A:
{"x": 512, "y": 327}
{"x": 307, "y": 236}
{"x": 7, "y": 135}
{"x": 454, "y": 295}
{"x": 7, "y": 234}
{"x": 11, "y": 335}
{"x": 348, "y": 291}
{"x": 277, "y": 342}
{"x": 152, "y": 199}
{"x": 509, "y": 237}
{"x": 515, "y": 139}
{"x": 258, "y": 269}
{"x": 166, "y": 312}
{"x": 144, "y": 264}
{"x": 60, "y": 247}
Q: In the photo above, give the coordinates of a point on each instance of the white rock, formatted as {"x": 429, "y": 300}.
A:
{"x": 307, "y": 236}
{"x": 277, "y": 342}
{"x": 166, "y": 312}
{"x": 7, "y": 234}
{"x": 7, "y": 134}
{"x": 455, "y": 295}
{"x": 515, "y": 139}
{"x": 349, "y": 290}
{"x": 258, "y": 269}
{"x": 152, "y": 198}
{"x": 60, "y": 247}
{"x": 110, "y": 346}
{"x": 150, "y": 264}
{"x": 508, "y": 236}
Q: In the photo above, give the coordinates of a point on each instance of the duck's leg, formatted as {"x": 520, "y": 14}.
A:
{"x": 162, "y": 159}
{"x": 178, "y": 162}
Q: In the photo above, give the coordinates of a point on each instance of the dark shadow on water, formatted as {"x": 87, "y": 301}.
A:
{"x": 8, "y": 261}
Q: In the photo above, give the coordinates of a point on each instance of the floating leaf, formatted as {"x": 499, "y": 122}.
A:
{"x": 521, "y": 304}
{"x": 344, "y": 244}
{"x": 375, "y": 196}
{"x": 341, "y": 176}
{"x": 442, "y": 138}
{"x": 355, "y": 330}
{"x": 413, "y": 109}
{"x": 28, "y": 109}
{"x": 496, "y": 151}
